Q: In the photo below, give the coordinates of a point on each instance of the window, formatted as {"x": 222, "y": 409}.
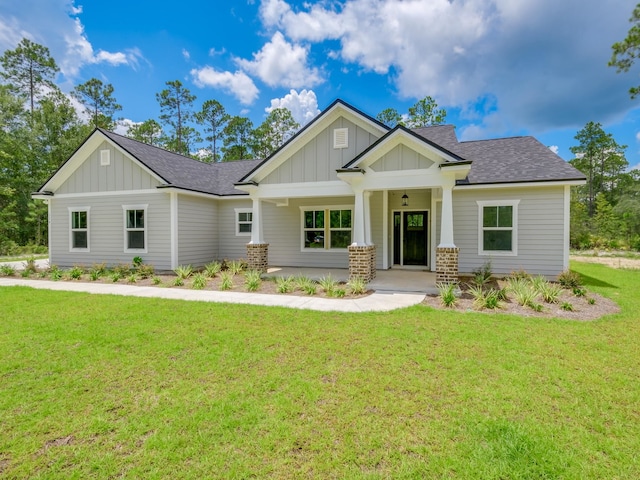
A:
{"x": 79, "y": 231}
{"x": 498, "y": 228}
{"x": 328, "y": 228}
{"x": 244, "y": 219}
{"x": 135, "y": 231}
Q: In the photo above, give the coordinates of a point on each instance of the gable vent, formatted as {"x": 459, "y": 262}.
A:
{"x": 340, "y": 138}
{"x": 105, "y": 158}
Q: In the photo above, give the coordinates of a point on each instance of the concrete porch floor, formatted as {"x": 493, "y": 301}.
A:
{"x": 392, "y": 280}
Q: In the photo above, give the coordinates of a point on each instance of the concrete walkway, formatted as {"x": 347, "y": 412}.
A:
{"x": 393, "y": 289}
{"x": 376, "y": 302}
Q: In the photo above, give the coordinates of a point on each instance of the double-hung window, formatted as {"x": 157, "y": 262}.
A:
{"x": 79, "y": 231}
{"x": 244, "y": 219}
{"x": 498, "y": 227}
{"x": 135, "y": 228}
{"x": 326, "y": 228}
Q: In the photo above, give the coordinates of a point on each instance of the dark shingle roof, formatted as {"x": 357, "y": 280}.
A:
{"x": 184, "y": 172}
{"x": 503, "y": 160}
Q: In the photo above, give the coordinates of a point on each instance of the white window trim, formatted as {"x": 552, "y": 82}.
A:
{"x": 71, "y": 230}
{"x": 125, "y": 229}
{"x": 327, "y": 228}
{"x": 238, "y": 222}
{"x": 514, "y": 227}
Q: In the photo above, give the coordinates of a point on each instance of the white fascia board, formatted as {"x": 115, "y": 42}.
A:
{"x": 302, "y": 190}
{"x": 404, "y": 179}
{"x": 118, "y": 193}
{"x": 183, "y": 191}
{"x": 400, "y": 137}
{"x": 492, "y": 186}
{"x": 318, "y": 125}
{"x": 41, "y": 196}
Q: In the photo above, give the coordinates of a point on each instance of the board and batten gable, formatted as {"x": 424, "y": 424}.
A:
{"x": 540, "y": 229}
{"x": 107, "y": 231}
{"x": 197, "y": 230}
{"x": 107, "y": 172}
{"x": 401, "y": 157}
{"x": 317, "y": 160}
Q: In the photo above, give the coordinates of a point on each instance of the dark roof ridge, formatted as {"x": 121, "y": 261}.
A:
{"x": 515, "y": 137}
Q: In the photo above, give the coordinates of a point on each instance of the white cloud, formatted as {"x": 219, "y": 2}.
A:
{"x": 238, "y": 84}
{"x": 554, "y": 148}
{"x": 280, "y": 63}
{"x": 213, "y": 52}
{"x": 543, "y": 60}
{"x": 57, "y": 25}
{"x": 303, "y": 105}
{"x": 185, "y": 54}
{"x": 123, "y": 125}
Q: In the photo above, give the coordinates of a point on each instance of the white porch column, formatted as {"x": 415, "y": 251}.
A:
{"x": 367, "y": 218}
{"x": 446, "y": 219}
{"x": 361, "y": 220}
{"x": 257, "y": 236}
{"x": 447, "y": 254}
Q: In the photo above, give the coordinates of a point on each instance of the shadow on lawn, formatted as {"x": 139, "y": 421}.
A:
{"x": 589, "y": 281}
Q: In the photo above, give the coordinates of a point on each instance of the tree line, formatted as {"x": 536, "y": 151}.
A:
{"x": 40, "y": 129}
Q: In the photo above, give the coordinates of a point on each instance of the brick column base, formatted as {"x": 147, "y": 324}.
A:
{"x": 258, "y": 256}
{"x": 447, "y": 264}
{"x": 362, "y": 262}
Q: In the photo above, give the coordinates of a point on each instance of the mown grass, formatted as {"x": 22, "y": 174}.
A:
{"x": 98, "y": 386}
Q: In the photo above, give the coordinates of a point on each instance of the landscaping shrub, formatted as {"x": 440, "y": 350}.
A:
{"x": 145, "y": 270}
{"x": 284, "y": 284}
{"x": 252, "y": 280}
{"x": 199, "y": 281}
{"x": 482, "y": 275}
{"x": 357, "y": 285}
{"x": 7, "y": 271}
{"x": 212, "y": 269}
{"x": 328, "y": 285}
{"x": 447, "y": 292}
{"x": 569, "y": 279}
{"x": 226, "y": 280}
{"x": 183, "y": 271}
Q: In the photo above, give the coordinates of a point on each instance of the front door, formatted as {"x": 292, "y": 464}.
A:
{"x": 410, "y": 239}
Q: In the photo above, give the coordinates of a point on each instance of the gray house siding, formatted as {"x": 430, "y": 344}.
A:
{"x": 317, "y": 160}
{"x": 283, "y": 233}
{"x": 106, "y": 230}
{"x": 540, "y": 237}
{"x": 230, "y": 245}
{"x": 197, "y": 230}
{"x": 121, "y": 174}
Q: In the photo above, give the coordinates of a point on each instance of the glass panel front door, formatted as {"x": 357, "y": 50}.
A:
{"x": 410, "y": 239}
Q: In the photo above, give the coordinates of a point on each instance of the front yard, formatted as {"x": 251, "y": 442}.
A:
{"x": 96, "y": 386}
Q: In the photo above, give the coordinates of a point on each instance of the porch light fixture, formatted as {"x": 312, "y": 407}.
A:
{"x": 405, "y": 200}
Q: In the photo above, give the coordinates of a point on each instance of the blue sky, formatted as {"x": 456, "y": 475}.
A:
{"x": 499, "y": 67}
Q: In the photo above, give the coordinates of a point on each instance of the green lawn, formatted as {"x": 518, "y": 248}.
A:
{"x": 97, "y": 386}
